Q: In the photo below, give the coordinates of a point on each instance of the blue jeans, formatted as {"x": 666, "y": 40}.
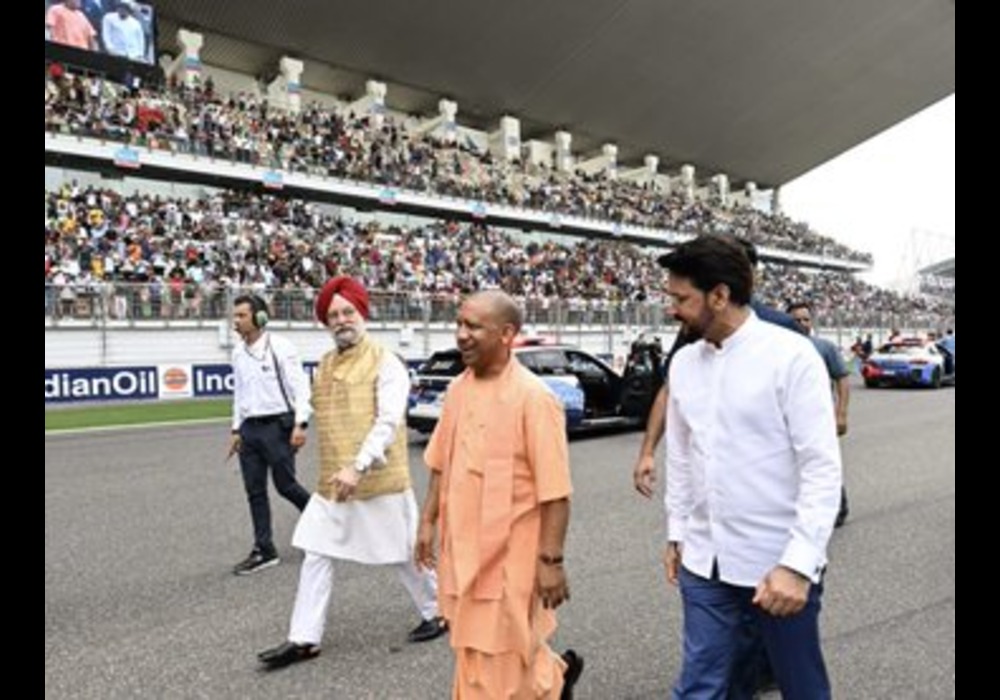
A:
{"x": 717, "y": 644}
{"x": 751, "y": 668}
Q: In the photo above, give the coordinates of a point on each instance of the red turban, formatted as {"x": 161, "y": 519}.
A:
{"x": 347, "y": 287}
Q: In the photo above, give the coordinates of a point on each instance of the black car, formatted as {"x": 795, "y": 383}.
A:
{"x": 593, "y": 394}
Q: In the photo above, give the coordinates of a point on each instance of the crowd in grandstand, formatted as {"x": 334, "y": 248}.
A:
{"x": 188, "y": 252}
{"x": 318, "y": 140}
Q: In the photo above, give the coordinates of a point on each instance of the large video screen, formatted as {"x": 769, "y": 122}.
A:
{"x": 119, "y": 28}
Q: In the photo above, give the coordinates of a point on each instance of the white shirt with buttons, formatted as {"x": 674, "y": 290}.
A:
{"x": 753, "y": 463}
{"x": 256, "y": 391}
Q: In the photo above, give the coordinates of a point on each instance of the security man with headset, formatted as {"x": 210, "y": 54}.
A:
{"x": 271, "y": 411}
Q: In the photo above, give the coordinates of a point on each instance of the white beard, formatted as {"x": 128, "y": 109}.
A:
{"x": 348, "y": 339}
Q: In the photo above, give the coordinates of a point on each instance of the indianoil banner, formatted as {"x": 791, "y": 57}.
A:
{"x": 101, "y": 384}
{"x": 166, "y": 381}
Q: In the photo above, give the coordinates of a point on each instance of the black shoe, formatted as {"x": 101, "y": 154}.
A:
{"x": 428, "y": 630}
{"x": 844, "y": 509}
{"x": 287, "y": 654}
{"x": 574, "y": 667}
{"x": 841, "y": 518}
{"x": 257, "y": 561}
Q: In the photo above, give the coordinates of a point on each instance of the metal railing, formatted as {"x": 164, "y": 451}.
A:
{"x": 103, "y": 302}
{"x": 123, "y": 304}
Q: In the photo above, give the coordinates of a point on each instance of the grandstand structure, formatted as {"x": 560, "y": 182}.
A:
{"x": 926, "y": 268}
{"x": 615, "y": 129}
{"x": 938, "y": 280}
{"x": 943, "y": 268}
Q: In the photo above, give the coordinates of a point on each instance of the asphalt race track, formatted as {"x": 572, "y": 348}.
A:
{"x": 143, "y": 526}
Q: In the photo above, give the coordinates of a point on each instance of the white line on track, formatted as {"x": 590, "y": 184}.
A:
{"x": 131, "y": 426}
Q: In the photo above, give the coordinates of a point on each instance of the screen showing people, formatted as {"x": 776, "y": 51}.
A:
{"x": 121, "y": 28}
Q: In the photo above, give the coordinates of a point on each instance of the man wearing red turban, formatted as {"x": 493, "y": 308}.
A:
{"x": 347, "y": 287}
{"x": 364, "y": 509}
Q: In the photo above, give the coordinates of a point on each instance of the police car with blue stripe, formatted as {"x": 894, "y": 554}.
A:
{"x": 911, "y": 362}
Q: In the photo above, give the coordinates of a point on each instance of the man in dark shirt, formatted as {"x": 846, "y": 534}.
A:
{"x": 839, "y": 378}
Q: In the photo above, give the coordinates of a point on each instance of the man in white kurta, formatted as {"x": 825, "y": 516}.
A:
{"x": 753, "y": 480}
{"x": 364, "y": 509}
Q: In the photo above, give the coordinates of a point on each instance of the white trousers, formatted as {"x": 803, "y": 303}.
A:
{"x": 316, "y": 586}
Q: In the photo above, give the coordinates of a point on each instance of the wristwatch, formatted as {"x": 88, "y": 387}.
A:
{"x": 361, "y": 468}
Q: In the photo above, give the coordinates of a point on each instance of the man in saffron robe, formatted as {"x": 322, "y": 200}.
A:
{"x": 499, "y": 493}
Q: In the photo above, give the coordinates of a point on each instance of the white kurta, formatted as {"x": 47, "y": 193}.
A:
{"x": 753, "y": 462}
{"x": 380, "y": 530}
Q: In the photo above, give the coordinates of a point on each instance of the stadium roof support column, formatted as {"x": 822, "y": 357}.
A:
{"x": 187, "y": 67}
{"x": 606, "y": 162}
{"x": 288, "y": 84}
{"x": 747, "y": 197}
{"x": 776, "y": 200}
{"x": 443, "y": 126}
{"x": 564, "y": 153}
{"x": 447, "y": 109}
{"x": 505, "y": 142}
{"x": 647, "y": 173}
{"x": 372, "y": 104}
{"x": 751, "y": 190}
{"x": 687, "y": 182}
{"x": 652, "y": 164}
{"x": 721, "y": 183}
